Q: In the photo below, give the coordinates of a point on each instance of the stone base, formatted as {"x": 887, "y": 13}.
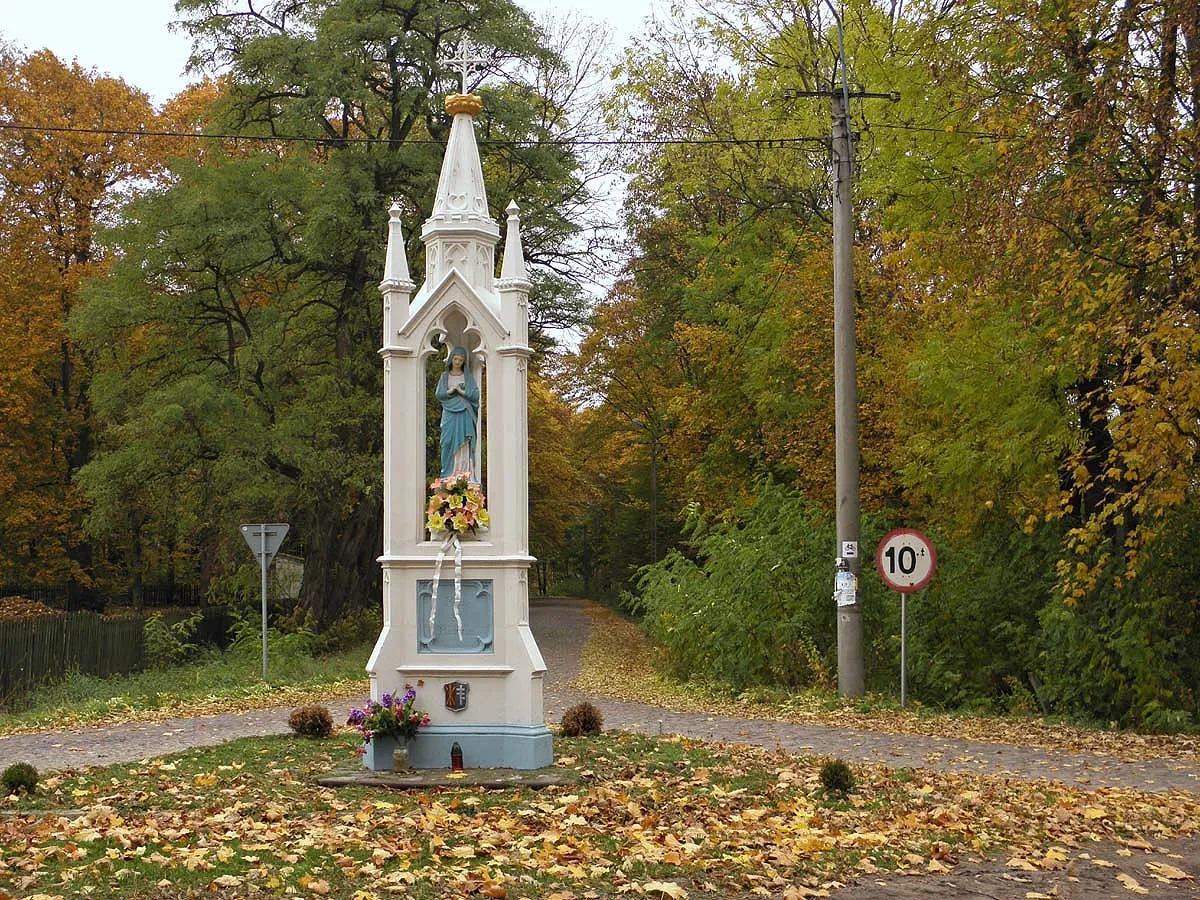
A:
{"x": 425, "y": 779}
{"x": 483, "y": 747}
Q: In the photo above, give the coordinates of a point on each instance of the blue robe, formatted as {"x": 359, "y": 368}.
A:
{"x": 458, "y": 418}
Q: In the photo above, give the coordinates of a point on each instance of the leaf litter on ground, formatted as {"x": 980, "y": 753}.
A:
{"x": 246, "y": 818}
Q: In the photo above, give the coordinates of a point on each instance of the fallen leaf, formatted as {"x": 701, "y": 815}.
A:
{"x": 1131, "y": 883}
{"x": 666, "y": 888}
{"x": 1168, "y": 871}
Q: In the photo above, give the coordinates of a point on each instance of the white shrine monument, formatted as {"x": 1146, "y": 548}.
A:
{"x": 462, "y": 640}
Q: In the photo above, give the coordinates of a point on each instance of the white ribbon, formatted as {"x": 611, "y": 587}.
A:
{"x": 458, "y": 584}
{"x": 451, "y": 539}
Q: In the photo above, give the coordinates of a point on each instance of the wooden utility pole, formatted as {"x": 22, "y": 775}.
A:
{"x": 851, "y": 682}
{"x": 851, "y": 679}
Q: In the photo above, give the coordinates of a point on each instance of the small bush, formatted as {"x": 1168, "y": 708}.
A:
{"x": 20, "y": 776}
{"x": 351, "y": 630}
{"x": 582, "y": 718}
{"x": 285, "y": 650}
{"x": 169, "y": 644}
{"x": 837, "y": 777}
{"x": 311, "y": 721}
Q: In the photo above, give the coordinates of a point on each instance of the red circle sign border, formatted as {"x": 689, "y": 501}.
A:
{"x": 908, "y": 588}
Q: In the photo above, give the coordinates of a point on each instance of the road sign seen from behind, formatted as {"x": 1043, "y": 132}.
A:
{"x": 905, "y": 560}
{"x": 274, "y": 533}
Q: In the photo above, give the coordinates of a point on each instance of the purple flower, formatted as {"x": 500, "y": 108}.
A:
{"x": 410, "y": 695}
{"x": 357, "y": 716}
{"x": 387, "y": 700}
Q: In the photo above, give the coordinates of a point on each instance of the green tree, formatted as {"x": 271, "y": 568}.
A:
{"x": 238, "y": 331}
{"x": 1026, "y": 271}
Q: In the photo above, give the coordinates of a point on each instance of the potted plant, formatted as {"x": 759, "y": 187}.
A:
{"x": 383, "y": 723}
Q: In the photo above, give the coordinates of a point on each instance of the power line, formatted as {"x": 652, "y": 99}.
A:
{"x": 948, "y": 131}
{"x": 766, "y": 143}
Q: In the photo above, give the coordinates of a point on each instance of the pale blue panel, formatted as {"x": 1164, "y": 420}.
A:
{"x": 475, "y": 610}
{"x": 483, "y": 746}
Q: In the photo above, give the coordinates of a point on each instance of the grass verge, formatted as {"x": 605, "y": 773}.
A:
{"x": 659, "y": 817}
{"x": 218, "y": 682}
{"x": 617, "y": 662}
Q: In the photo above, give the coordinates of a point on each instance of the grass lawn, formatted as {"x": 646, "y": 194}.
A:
{"x": 654, "y": 816}
{"x": 217, "y": 682}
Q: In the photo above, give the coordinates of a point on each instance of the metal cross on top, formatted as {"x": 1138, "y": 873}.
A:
{"x": 465, "y": 61}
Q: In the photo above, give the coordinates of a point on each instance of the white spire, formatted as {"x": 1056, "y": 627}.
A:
{"x": 461, "y": 197}
{"x": 460, "y": 235}
{"x": 513, "y": 268}
{"x": 395, "y": 267}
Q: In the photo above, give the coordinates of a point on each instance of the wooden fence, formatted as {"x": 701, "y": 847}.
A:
{"x": 72, "y": 597}
{"x": 39, "y": 649}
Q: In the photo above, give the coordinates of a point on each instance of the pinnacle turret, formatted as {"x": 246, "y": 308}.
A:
{"x": 395, "y": 267}
{"x": 513, "y": 268}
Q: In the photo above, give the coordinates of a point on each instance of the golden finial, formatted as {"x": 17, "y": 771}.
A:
{"x": 471, "y": 104}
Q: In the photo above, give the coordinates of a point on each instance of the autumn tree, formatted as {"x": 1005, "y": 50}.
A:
{"x": 1079, "y": 214}
{"x": 1025, "y": 273}
{"x": 716, "y": 346}
{"x": 69, "y": 156}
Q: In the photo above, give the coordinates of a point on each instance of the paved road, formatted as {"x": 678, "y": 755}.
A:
{"x": 561, "y": 626}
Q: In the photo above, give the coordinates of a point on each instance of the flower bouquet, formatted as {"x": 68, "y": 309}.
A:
{"x": 394, "y": 717}
{"x": 456, "y": 506}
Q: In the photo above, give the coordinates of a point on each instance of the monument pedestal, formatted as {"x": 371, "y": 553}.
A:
{"x": 477, "y": 673}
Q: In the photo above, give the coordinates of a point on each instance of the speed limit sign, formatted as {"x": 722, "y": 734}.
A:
{"x": 905, "y": 560}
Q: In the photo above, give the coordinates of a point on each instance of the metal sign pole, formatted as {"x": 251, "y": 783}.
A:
{"x": 903, "y": 650}
{"x": 262, "y": 530}
{"x": 264, "y": 540}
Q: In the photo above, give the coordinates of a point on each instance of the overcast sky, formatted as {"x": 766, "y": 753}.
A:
{"x": 132, "y": 38}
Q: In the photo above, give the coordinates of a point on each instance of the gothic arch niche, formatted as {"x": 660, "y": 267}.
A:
{"x": 451, "y": 330}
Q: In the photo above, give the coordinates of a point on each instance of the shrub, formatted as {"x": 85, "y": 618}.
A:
{"x": 351, "y": 630}
{"x": 311, "y": 721}
{"x": 747, "y": 602}
{"x": 284, "y": 649}
{"x": 169, "y": 644}
{"x": 582, "y": 718}
{"x": 837, "y": 777}
{"x": 20, "y": 776}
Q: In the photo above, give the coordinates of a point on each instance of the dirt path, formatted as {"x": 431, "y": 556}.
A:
{"x": 561, "y": 628}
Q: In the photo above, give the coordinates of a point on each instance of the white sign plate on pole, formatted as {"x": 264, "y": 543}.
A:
{"x": 264, "y": 540}
{"x": 849, "y": 549}
{"x": 905, "y": 560}
{"x": 274, "y": 533}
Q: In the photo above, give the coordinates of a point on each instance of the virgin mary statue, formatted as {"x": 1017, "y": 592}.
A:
{"x": 458, "y": 393}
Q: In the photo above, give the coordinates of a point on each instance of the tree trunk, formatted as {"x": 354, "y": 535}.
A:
{"x": 341, "y": 568}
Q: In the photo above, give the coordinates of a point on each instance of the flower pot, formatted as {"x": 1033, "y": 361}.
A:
{"x": 379, "y": 753}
